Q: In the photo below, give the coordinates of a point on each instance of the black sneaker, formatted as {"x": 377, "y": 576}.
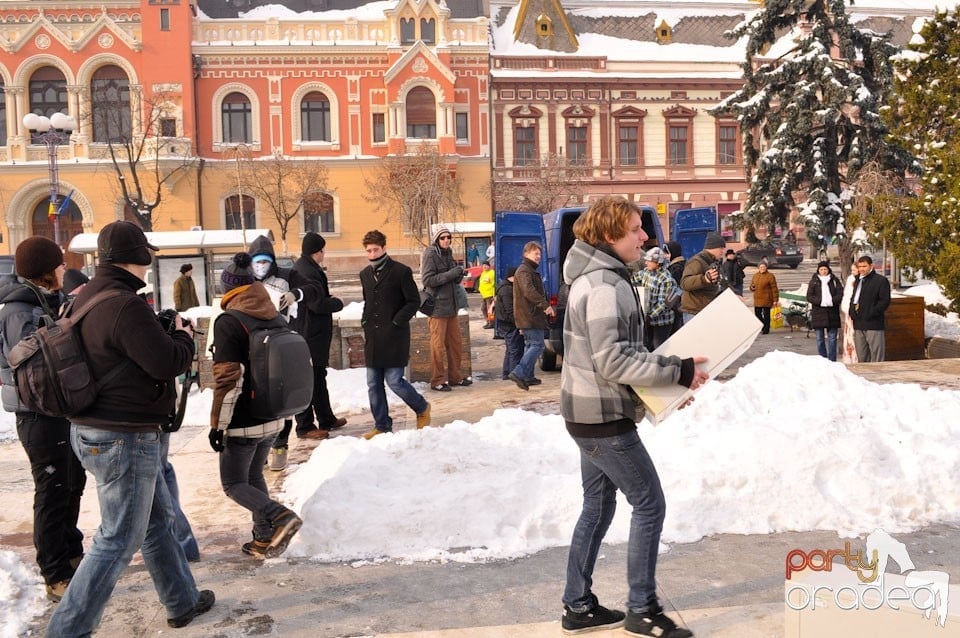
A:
{"x": 520, "y": 382}
{"x": 284, "y": 528}
{"x": 443, "y": 387}
{"x": 534, "y": 381}
{"x": 653, "y": 623}
{"x": 464, "y": 382}
{"x": 204, "y": 603}
{"x": 596, "y": 619}
{"x": 255, "y": 548}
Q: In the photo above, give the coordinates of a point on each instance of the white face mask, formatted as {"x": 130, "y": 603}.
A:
{"x": 261, "y": 268}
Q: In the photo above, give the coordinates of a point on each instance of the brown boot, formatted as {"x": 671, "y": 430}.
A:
{"x": 423, "y": 419}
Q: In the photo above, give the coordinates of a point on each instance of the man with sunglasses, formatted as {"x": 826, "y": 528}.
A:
{"x": 440, "y": 273}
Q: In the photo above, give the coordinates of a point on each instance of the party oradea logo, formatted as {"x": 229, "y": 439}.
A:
{"x": 927, "y": 591}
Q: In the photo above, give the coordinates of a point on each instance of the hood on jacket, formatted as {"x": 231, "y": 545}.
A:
{"x": 253, "y": 300}
{"x": 584, "y": 258}
{"x": 263, "y": 246}
{"x": 13, "y": 290}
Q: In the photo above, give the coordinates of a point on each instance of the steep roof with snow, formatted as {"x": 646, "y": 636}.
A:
{"x": 234, "y": 8}
{"x": 632, "y": 30}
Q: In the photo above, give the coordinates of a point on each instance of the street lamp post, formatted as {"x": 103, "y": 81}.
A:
{"x": 52, "y": 131}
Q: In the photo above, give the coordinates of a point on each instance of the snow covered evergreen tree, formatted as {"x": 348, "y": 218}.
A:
{"x": 925, "y": 234}
{"x": 809, "y": 113}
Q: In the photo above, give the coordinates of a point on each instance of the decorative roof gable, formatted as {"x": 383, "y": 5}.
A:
{"x": 545, "y": 26}
{"x": 422, "y": 58}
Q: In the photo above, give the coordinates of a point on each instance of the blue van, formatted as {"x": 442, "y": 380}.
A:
{"x": 690, "y": 228}
{"x": 553, "y": 231}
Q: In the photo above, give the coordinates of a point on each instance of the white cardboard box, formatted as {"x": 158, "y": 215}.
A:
{"x": 722, "y": 332}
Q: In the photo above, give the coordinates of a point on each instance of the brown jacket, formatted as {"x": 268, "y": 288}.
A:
{"x": 529, "y": 298}
{"x": 765, "y": 292}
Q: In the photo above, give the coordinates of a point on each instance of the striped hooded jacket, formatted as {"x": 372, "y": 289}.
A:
{"x": 603, "y": 343}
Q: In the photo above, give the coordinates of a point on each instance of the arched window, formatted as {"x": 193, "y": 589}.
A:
{"x": 421, "y": 114}
{"x": 110, "y": 105}
{"x": 231, "y": 212}
{"x": 48, "y": 95}
{"x": 237, "y": 119}
{"x": 428, "y": 30}
{"x": 315, "y": 118}
{"x": 408, "y": 31}
{"x": 318, "y": 213}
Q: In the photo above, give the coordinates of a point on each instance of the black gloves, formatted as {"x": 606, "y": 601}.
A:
{"x": 216, "y": 439}
{"x": 458, "y": 270}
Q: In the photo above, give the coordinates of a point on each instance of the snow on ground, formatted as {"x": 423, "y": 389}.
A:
{"x": 827, "y": 450}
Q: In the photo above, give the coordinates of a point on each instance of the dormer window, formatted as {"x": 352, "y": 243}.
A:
{"x": 408, "y": 33}
{"x": 544, "y": 25}
{"x": 664, "y": 33}
{"x": 428, "y": 30}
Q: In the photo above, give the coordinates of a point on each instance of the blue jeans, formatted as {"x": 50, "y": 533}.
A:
{"x": 241, "y": 476}
{"x": 827, "y": 342}
{"x": 181, "y": 526}
{"x": 134, "y": 513}
{"x": 378, "y": 395}
{"x": 532, "y": 347}
{"x": 513, "y": 350}
{"x": 609, "y": 464}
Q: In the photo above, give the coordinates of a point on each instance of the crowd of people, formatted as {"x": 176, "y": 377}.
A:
{"x": 623, "y": 303}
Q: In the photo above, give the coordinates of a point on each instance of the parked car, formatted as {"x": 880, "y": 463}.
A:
{"x": 471, "y": 278}
{"x": 775, "y": 251}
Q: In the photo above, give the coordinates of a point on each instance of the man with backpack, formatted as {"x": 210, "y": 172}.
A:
{"x": 118, "y": 439}
{"x": 28, "y": 301}
{"x": 242, "y": 430}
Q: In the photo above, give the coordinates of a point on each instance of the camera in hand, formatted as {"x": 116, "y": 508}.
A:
{"x": 168, "y": 319}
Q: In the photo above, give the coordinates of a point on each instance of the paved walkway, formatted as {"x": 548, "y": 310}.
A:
{"x": 727, "y": 586}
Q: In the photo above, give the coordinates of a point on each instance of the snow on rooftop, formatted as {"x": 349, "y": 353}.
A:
{"x": 371, "y": 11}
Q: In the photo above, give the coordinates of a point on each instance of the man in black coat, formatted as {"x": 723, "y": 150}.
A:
{"x": 871, "y": 298}
{"x": 314, "y": 320}
{"x": 390, "y": 301}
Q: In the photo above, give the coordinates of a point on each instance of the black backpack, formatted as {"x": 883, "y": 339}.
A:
{"x": 51, "y": 369}
{"x": 281, "y": 372}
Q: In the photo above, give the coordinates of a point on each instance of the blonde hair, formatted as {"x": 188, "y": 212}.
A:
{"x": 606, "y": 219}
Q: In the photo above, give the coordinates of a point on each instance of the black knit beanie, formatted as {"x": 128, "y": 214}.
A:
{"x": 312, "y": 243}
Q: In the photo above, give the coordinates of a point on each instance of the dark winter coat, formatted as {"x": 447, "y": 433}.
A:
{"x": 440, "y": 274}
{"x": 390, "y": 301}
{"x": 732, "y": 270}
{"x": 868, "y": 312}
{"x": 20, "y": 315}
{"x": 676, "y": 267}
{"x": 184, "y": 294}
{"x": 124, "y": 328}
{"x": 824, "y": 317}
{"x": 697, "y": 291}
{"x": 314, "y": 318}
{"x": 529, "y": 297}
{"x": 230, "y": 409}
{"x": 503, "y": 306}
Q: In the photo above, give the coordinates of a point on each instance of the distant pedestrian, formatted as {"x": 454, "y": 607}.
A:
{"x": 390, "y": 301}
{"x": 473, "y": 255}
{"x": 506, "y": 324}
{"x": 73, "y": 282}
{"x": 27, "y": 302}
{"x": 675, "y": 268}
{"x": 242, "y": 440}
{"x": 487, "y": 286}
{"x": 185, "y": 290}
{"x": 491, "y": 254}
{"x": 766, "y": 295}
{"x": 660, "y": 290}
{"x": 824, "y": 294}
{"x": 871, "y": 298}
{"x": 733, "y": 272}
{"x": 530, "y": 312}
{"x": 701, "y": 280}
{"x": 603, "y": 356}
{"x": 442, "y": 276}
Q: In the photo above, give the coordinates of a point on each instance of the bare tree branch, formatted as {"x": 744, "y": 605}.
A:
{"x": 556, "y": 182}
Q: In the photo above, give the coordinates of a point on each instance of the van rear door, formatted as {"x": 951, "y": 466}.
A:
{"x": 511, "y": 232}
{"x": 690, "y": 228}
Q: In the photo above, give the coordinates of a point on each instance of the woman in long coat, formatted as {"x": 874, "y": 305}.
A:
{"x": 824, "y": 293}
{"x": 765, "y": 295}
